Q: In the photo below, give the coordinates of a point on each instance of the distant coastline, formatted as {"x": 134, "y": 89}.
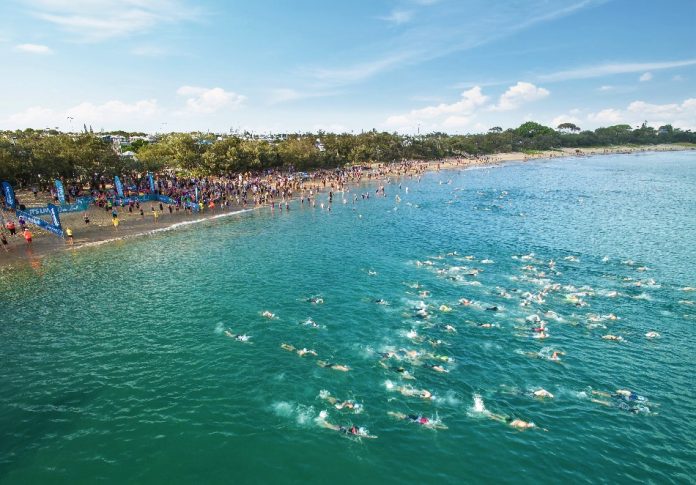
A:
{"x": 100, "y": 230}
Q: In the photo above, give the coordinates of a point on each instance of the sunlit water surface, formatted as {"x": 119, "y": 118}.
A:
{"x": 115, "y": 366}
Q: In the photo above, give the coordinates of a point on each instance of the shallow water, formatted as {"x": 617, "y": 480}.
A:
{"x": 115, "y": 366}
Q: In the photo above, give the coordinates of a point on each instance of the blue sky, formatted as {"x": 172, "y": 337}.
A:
{"x": 458, "y": 66}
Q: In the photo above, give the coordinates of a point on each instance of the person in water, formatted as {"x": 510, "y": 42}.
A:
{"x": 405, "y": 374}
{"x": 409, "y": 391}
{"x": 625, "y": 400}
{"x": 356, "y": 407}
{"x": 418, "y": 419}
{"x": 351, "y": 431}
{"x": 237, "y": 337}
{"x": 329, "y": 365}
{"x": 516, "y": 423}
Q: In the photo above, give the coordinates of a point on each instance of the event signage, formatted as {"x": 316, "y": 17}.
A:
{"x": 53, "y": 210}
{"x": 9, "y": 195}
{"x": 60, "y": 191}
{"x": 55, "y": 229}
{"x": 152, "y": 182}
{"x": 119, "y": 186}
{"x": 81, "y": 205}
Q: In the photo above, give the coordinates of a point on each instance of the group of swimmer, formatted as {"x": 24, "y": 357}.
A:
{"x": 432, "y": 324}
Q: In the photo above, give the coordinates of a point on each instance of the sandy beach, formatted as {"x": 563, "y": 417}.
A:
{"x": 101, "y": 231}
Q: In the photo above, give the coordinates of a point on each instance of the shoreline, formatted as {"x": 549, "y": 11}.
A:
{"x": 100, "y": 232}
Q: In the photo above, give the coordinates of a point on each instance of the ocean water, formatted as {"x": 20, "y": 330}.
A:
{"x": 115, "y": 367}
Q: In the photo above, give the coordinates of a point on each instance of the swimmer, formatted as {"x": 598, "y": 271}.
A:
{"x": 438, "y": 368}
{"x": 358, "y": 432}
{"x": 616, "y": 338}
{"x": 445, "y": 308}
{"x": 542, "y": 394}
{"x": 380, "y": 301}
{"x": 492, "y": 309}
{"x": 316, "y": 300}
{"x": 514, "y": 422}
{"x": 351, "y": 405}
{"x": 304, "y": 351}
{"x": 449, "y": 328}
{"x": 400, "y": 370}
{"x": 556, "y": 355}
{"x": 288, "y": 347}
{"x": 486, "y": 325}
{"x": 652, "y": 334}
{"x": 422, "y": 420}
{"x": 464, "y": 302}
{"x": 267, "y": 314}
{"x": 626, "y": 400}
{"x": 238, "y": 338}
{"x": 409, "y": 391}
{"x": 310, "y": 323}
{"x": 329, "y": 365}
{"x": 424, "y": 294}
{"x": 422, "y": 313}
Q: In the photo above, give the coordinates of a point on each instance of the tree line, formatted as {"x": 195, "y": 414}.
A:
{"x": 36, "y": 157}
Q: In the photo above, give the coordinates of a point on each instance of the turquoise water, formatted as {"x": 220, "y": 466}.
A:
{"x": 115, "y": 367}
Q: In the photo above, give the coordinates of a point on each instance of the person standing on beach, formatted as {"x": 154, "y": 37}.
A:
{"x": 69, "y": 234}
{"x": 12, "y": 228}
{"x": 27, "y": 236}
{"x": 115, "y": 223}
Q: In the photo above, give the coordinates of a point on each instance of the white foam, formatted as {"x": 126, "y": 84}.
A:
{"x": 151, "y": 232}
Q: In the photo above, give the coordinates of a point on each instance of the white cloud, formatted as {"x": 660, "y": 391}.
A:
{"x": 115, "y": 114}
{"x": 34, "y": 48}
{"x": 96, "y": 20}
{"x": 358, "y": 72}
{"x": 604, "y": 89}
{"x": 399, "y": 17}
{"x": 610, "y": 69}
{"x": 678, "y": 77}
{"x": 285, "y": 95}
{"x": 681, "y": 115}
{"x": 445, "y": 29}
{"x": 646, "y": 76}
{"x": 519, "y": 94}
{"x": 209, "y": 100}
{"x": 456, "y": 121}
{"x": 457, "y": 113}
{"x": 605, "y": 117}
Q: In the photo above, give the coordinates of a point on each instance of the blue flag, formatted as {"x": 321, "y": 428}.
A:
{"x": 119, "y": 186}
{"x": 152, "y": 182}
{"x": 9, "y": 195}
{"x": 53, "y": 210}
{"x": 60, "y": 191}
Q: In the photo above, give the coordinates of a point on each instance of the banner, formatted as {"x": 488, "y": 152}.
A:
{"x": 119, "y": 186}
{"x": 53, "y": 210}
{"x": 81, "y": 205}
{"x": 9, "y": 195}
{"x": 152, "y": 182}
{"x": 60, "y": 191}
{"x": 55, "y": 229}
{"x": 196, "y": 193}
